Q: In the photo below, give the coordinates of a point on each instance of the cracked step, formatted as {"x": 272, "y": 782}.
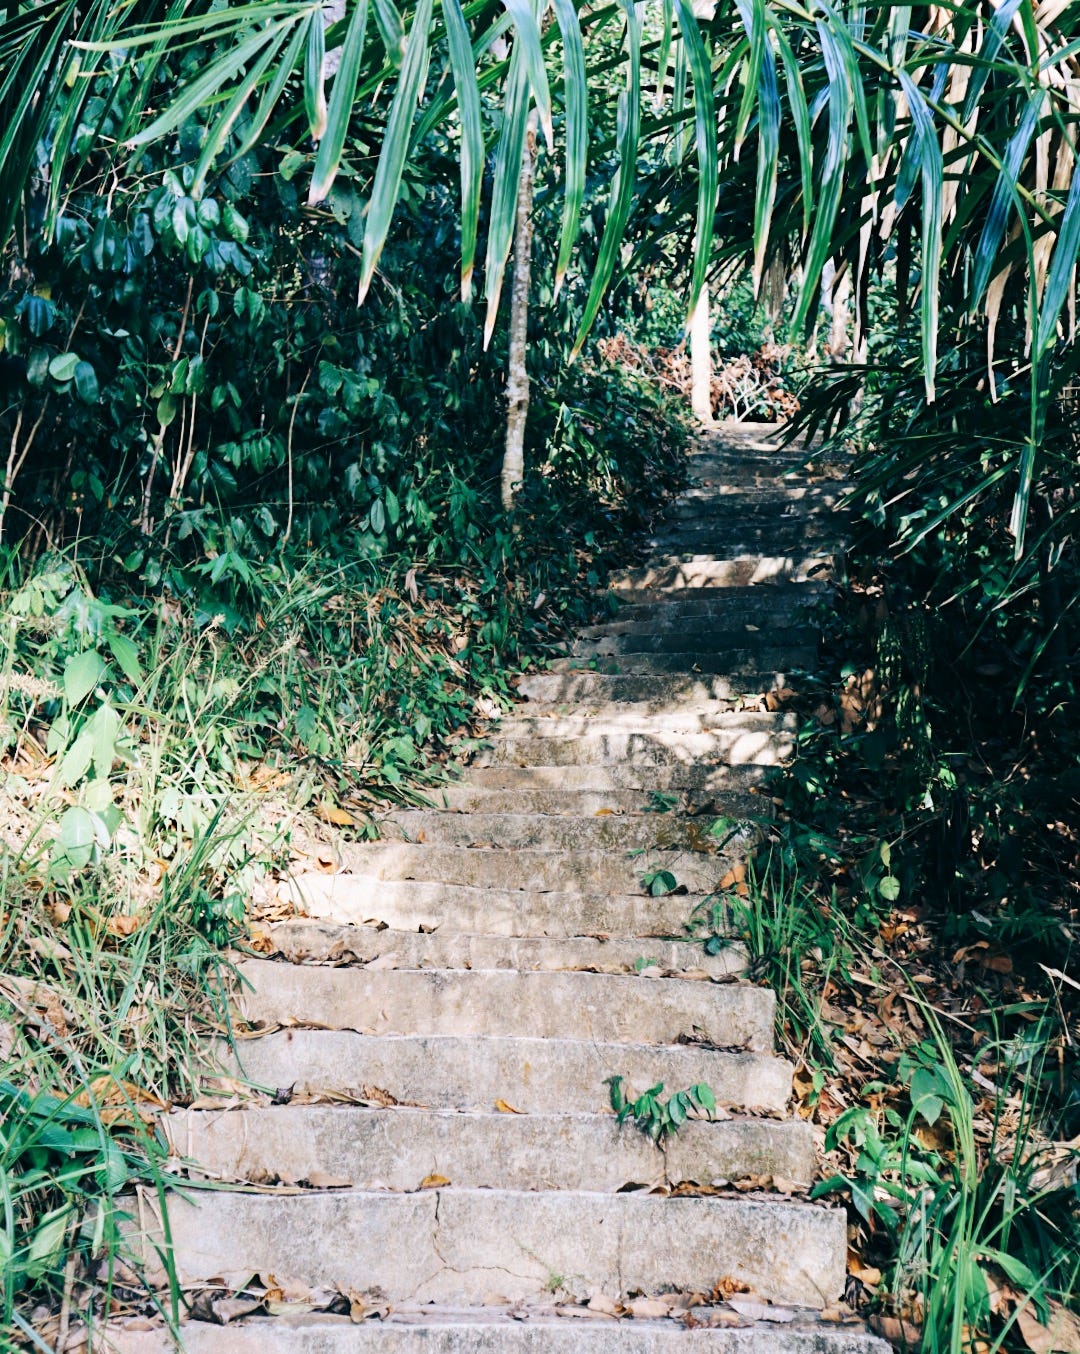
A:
{"x": 674, "y": 575}
{"x": 307, "y": 942}
{"x": 450, "y": 1245}
{"x": 755, "y": 665}
{"x": 610, "y": 1008}
{"x": 489, "y": 1330}
{"x": 653, "y": 747}
{"x": 411, "y": 905}
{"x": 534, "y": 1075}
{"x": 657, "y": 691}
{"x": 398, "y": 1148}
{"x": 467, "y": 798}
{"x": 642, "y": 639}
{"x": 532, "y": 870}
{"x": 608, "y": 832}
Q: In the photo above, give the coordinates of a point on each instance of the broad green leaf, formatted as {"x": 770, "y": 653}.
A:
{"x": 395, "y": 147}
{"x": 927, "y": 1094}
{"x": 82, "y": 673}
{"x": 472, "y": 137}
{"x": 77, "y": 759}
{"x": 63, "y": 366}
{"x": 47, "y": 1241}
{"x": 126, "y": 654}
{"x": 86, "y": 383}
{"x": 341, "y": 106}
{"x": 77, "y": 836}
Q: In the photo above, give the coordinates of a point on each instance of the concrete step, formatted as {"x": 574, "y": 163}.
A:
{"x": 592, "y": 803}
{"x": 649, "y": 747}
{"x": 621, "y": 719}
{"x": 314, "y": 942}
{"x": 773, "y": 594}
{"x": 532, "y": 870}
{"x": 755, "y": 667}
{"x": 676, "y": 575}
{"x": 657, "y": 691}
{"x": 702, "y": 639}
{"x": 451, "y": 1245}
{"x": 409, "y": 905}
{"x": 734, "y": 536}
{"x": 795, "y": 498}
{"x": 491, "y": 1330}
{"x": 555, "y": 832}
{"x": 398, "y": 1148}
{"x": 611, "y": 1008}
{"x": 534, "y": 1075}
{"x": 696, "y": 776}
{"x": 720, "y": 617}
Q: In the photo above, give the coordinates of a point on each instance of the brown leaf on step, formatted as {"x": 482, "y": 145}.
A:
{"x": 601, "y": 812}
{"x": 1061, "y": 1334}
{"x": 504, "y": 1108}
{"x": 727, "y": 1285}
{"x": 334, "y": 813}
{"x": 756, "y": 1310}
{"x": 320, "y": 1180}
{"x": 605, "y": 1305}
{"x": 650, "y": 1309}
{"x": 434, "y": 1182}
{"x": 903, "y": 1334}
{"x": 383, "y": 961}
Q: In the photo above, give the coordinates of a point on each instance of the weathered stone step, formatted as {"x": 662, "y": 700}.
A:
{"x": 756, "y": 665}
{"x": 399, "y": 1148}
{"x": 450, "y": 1245}
{"x": 649, "y": 747}
{"x": 529, "y": 869}
{"x": 778, "y": 596}
{"x": 407, "y": 905}
{"x": 736, "y": 535}
{"x": 643, "y": 639}
{"x": 675, "y": 575}
{"x": 631, "y": 719}
{"x": 303, "y": 941}
{"x": 535, "y": 1076}
{"x": 715, "y": 493}
{"x": 597, "y": 803}
{"x": 695, "y": 776}
{"x": 490, "y": 1330}
{"x": 556, "y": 832}
{"x": 609, "y": 1007}
{"x": 657, "y": 690}
{"x": 657, "y": 619}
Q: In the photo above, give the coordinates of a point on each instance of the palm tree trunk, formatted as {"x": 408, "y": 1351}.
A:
{"x": 517, "y": 379}
{"x": 701, "y": 359}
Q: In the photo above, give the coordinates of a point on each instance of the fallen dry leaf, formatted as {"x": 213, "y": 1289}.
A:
{"x": 333, "y": 813}
{"x": 434, "y": 1182}
{"x": 504, "y": 1108}
{"x": 1060, "y": 1336}
{"x": 649, "y": 1309}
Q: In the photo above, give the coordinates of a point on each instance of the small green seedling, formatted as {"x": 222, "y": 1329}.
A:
{"x": 659, "y": 1118}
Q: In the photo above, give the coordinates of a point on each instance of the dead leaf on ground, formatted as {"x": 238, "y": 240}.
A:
{"x": 504, "y": 1108}
{"x": 434, "y": 1182}
{"x": 1061, "y": 1335}
{"x": 650, "y": 1309}
{"x": 334, "y": 813}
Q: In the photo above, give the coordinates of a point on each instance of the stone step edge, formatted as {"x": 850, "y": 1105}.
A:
{"x": 472, "y": 1330}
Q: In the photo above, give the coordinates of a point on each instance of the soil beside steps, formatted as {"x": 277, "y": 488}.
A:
{"x": 439, "y": 1030}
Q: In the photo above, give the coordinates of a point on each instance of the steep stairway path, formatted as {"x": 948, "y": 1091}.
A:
{"x": 442, "y": 1024}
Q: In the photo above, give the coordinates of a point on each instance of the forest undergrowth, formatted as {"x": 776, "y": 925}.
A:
{"x": 917, "y": 909}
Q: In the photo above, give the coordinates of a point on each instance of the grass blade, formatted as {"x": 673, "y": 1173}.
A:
{"x": 997, "y": 216}
{"x": 527, "y": 30}
{"x": 932, "y": 169}
{"x": 315, "y": 78}
{"x": 504, "y": 190}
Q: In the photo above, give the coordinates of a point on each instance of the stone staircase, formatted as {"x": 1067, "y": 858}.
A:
{"x": 443, "y": 1022}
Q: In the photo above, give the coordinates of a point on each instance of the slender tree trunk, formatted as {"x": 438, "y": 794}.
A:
{"x": 701, "y": 359}
{"x": 517, "y": 379}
